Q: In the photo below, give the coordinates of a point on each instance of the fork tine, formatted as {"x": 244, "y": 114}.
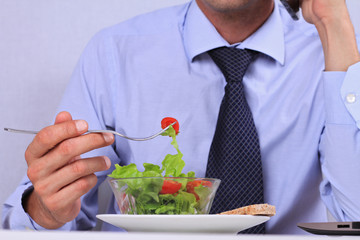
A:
{"x": 133, "y": 138}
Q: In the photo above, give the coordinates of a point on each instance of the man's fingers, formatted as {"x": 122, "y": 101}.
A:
{"x": 63, "y": 117}
{"x": 70, "y": 148}
{"x": 51, "y": 136}
{"x": 71, "y": 193}
{"x": 65, "y": 152}
{"x": 74, "y": 159}
{"x": 71, "y": 173}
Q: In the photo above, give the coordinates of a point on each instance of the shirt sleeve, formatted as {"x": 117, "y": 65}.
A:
{"x": 13, "y": 214}
{"x": 340, "y": 144}
{"x": 88, "y": 97}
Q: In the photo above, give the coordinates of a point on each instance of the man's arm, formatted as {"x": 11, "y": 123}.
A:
{"x": 339, "y": 146}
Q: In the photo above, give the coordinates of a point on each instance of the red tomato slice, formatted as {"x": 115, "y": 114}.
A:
{"x": 197, "y": 183}
{"x": 170, "y": 187}
{"x": 190, "y": 186}
{"x": 168, "y": 121}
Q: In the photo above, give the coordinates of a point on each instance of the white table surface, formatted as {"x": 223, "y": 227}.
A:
{"x": 57, "y": 235}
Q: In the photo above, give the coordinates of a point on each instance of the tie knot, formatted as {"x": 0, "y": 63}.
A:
{"x": 232, "y": 62}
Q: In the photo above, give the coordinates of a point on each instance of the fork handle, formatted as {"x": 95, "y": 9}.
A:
{"x": 20, "y": 131}
{"x": 13, "y": 130}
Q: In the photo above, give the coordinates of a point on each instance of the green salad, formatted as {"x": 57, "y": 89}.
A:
{"x": 165, "y": 189}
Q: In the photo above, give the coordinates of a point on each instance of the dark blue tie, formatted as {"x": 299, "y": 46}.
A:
{"x": 235, "y": 151}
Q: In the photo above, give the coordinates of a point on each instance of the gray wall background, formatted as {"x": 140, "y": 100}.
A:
{"x": 40, "y": 43}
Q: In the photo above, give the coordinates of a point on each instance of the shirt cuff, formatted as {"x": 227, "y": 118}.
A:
{"x": 14, "y": 214}
{"x": 65, "y": 227}
{"x": 342, "y": 96}
{"x": 350, "y": 92}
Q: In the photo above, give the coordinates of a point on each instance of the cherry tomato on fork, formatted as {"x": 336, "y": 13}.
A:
{"x": 168, "y": 121}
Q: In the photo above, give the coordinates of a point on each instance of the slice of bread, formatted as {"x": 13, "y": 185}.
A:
{"x": 256, "y": 209}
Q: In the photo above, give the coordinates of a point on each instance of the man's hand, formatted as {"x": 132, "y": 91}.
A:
{"x": 318, "y": 11}
{"x": 336, "y": 32}
{"x": 59, "y": 175}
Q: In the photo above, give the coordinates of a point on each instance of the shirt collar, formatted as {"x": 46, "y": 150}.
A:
{"x": 201, "y": 36}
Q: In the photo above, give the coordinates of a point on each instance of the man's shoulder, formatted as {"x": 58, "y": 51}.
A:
{"x": 301, "y": 33}
{"x": 155, "y": 22}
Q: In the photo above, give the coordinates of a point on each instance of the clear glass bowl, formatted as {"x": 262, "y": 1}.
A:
{"x": 164, "y": 195}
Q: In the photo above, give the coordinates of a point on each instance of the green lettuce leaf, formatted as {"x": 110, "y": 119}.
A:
{"x": 125, "y": 171}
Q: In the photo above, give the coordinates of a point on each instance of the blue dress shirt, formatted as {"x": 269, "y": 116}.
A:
{"x": 133, "y": 74}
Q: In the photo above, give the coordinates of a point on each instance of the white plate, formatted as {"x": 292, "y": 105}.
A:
{"x": 230, "y": 224}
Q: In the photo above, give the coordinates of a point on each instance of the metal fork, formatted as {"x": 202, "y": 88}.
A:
{"x": 98, "y": 131}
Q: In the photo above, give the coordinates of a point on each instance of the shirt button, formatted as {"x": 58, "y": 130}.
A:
{"x": 351, "y": 98}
